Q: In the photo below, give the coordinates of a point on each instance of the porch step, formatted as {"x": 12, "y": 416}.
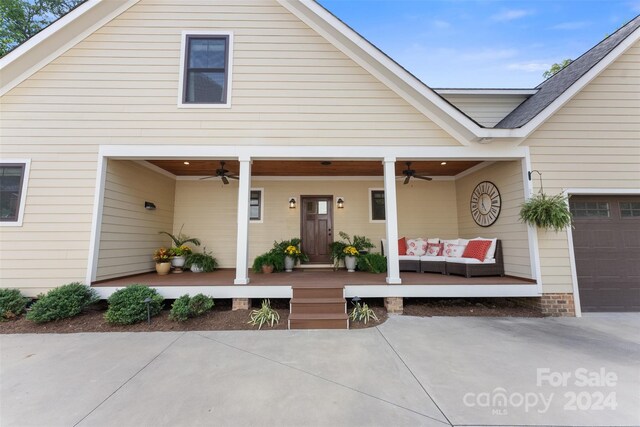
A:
{"x": 318, "y": 321}
{"x": 318, "y": 305}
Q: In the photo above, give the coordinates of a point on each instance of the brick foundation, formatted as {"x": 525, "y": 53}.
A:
{"x": 241, "y": 304}
{"x": 394, "y": 305}
{"x": 555, "y": 305}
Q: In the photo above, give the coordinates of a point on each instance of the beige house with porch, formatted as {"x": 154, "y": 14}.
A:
{"x": 111, "y": 117}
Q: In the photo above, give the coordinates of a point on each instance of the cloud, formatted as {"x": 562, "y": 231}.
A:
{"x": 442, "y": 25}
{"x": 489, "y": 54}
{"x": 511, "y": 14}
{"x": 529, "y": 67}
{"x": 576, "y": 25}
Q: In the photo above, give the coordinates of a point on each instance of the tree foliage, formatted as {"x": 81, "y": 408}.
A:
{"x": 21, "y": 19}
{"x": 556, "y": 68}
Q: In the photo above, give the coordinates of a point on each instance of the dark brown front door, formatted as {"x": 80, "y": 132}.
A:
{"x": 606, "y": 243}
{"x": 317, "y": 225}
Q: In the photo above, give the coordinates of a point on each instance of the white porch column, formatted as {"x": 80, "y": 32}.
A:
{"x": 242, "y": 245}
{"x": 391, "y": 223}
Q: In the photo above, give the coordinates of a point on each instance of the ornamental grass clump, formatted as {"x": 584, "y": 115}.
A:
{"x": 546, "y": 212}
{"x": 61, "y": 303}
{"x": 127, "y": 306}
{"x": 265, "y": 314}
{"x": 12, "y": 303}
{"x": 362, "y": 313}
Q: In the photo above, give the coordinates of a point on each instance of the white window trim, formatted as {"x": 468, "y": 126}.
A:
{"x": 23, "y": 195}
{"x": 369, "y": 199}
{"x": 183, "y": 50}
{"x": 261, "y": 220}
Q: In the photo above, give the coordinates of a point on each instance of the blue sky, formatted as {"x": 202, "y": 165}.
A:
{"x": 483, "y": 43}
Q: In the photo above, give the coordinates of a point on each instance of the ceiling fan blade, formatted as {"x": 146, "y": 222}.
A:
{"x": 225, "y": 180}
{"x": 426, "y": 178}
{"x": 208, "y": 177}
{"x": 233, "y": 176}
{"x": 406, "y": 180}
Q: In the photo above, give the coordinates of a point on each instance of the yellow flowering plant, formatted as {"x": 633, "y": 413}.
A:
{"x": 292, "y": 251}
{"x": 181, "y": 250}
{"x": 351, "y": 251}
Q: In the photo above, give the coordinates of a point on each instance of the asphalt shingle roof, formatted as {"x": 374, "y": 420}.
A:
{"x": 552, "y": 88}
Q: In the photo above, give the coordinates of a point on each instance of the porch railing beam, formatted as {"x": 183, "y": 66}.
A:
{"x": 242, "y": 245}
{"x": 391, "y": 223}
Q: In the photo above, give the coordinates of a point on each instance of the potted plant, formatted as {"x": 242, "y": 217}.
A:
{"x": 201, "y": 262}
{"x": 350, "y": 257}
{"x": 361, "y": 244}
{"x": 546, "y": 212}
{"x": 264, "y": 263}
{"x": 179, "y": 256}
{"x": 292, "y": 256}
{"x": 162, "y": 257}
{"x": 180, "y": 250}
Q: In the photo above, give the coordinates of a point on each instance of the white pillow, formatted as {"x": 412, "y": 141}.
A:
{"x": 453, "y": 251}
{"x": 416, "y": 247}
{"x": 435, "y": 240}
{"x": 491, "y": 253}
{"x": 450, "y": 242}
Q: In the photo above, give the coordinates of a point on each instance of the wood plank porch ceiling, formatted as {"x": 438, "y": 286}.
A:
{"x": 311, "y": 167}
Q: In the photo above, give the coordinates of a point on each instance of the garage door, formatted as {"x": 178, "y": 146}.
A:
{"x": 606, "y": 242}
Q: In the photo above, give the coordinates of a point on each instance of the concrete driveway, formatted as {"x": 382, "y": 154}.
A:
{"x": 409, "y": 371}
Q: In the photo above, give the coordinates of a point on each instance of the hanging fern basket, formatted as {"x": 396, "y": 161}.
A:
{"x": 546, "y": 212}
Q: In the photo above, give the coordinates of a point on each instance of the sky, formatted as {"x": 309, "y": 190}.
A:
{"x": 483, "y": 43}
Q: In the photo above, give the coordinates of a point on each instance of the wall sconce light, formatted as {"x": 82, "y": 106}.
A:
{"x": 150, "y": 206}
{"x": 292, "y": 202}
{"x": 340, "y": 202}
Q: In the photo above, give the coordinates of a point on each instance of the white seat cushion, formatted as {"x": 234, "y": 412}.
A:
{"x": 434, "y": 240}
{"x": 450, "y": 242}
{"x": 469, "y": 260}
{"x": 409, "y": 258}
{"x": 432, "y": 258}
{"x": 491, "y": 253}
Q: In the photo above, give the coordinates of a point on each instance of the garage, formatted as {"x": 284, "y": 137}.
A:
{"x": 606, "y": 241}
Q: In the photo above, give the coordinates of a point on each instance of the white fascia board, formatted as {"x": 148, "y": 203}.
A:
{"x": 496, "y": 91}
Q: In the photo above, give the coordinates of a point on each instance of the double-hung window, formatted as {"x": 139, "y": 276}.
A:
{"x": 206, "y": 70}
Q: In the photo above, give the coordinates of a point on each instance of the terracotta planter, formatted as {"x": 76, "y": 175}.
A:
{"x": 350, "y": 263}
{"x": 267, "y": 269}
{"x": 163, "y": 268}
{"x": 289, "y": 263}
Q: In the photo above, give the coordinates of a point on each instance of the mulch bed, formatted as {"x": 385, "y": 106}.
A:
{"x": 482, "y": 307}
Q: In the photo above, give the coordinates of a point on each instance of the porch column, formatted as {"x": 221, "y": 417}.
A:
{"x": 391, "y": 223}
{"x": 242, "y": 245}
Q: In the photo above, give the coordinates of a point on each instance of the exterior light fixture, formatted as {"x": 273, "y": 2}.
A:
{"x": 340, "y": 202}
{"x": 186, "y": 163}
{"x": 150, "y": 206}
{"x": 443, "y": 163}
{"x": 147, "y": 301}
{"x": 292, "y": 203}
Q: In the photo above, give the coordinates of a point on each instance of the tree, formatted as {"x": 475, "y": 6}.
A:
{"x": 21, "y": 19}
{"x": 556, "y": 68}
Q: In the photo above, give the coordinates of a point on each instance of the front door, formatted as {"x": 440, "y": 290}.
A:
{"x": 317, "y": 225}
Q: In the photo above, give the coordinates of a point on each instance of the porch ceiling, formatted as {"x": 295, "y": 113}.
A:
{"x": 311, "y": 167}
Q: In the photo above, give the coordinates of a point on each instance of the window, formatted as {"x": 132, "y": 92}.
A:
{"x": 589, "y": 209}
{"x": 12, "y": 191}
{"x": 255, "y": 205}
{"x": 206, "y": 70}
{"x": 377, "y": 212}
{"x": 630, "y": 209}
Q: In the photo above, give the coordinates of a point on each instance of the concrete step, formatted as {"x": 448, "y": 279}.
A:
{"x": 319, "y": 321}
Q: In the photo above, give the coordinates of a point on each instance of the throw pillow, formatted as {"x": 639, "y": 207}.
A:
{"x": 416, "y": 247}
{"x": 477, "y": 249}
{"x": 491, "y": 253}
{"x": 435, "y": 240}
{"x": 453, "y": 251}
{"x": 435, "y": 249}
{"x": 402, "y": 246}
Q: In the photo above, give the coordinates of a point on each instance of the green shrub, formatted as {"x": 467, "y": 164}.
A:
{"x": 126, "y": 306}
{"x": 185, "y": 307}
{"x": 373, "y": 263}
{"x": 12, "y": 303}
{"x": 266, "y": 314}
{"x": 61, "y": 303}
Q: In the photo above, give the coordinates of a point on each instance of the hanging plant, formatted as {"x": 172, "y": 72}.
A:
{"x": 546, "y": 212}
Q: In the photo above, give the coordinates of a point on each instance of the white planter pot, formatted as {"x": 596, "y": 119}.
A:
{"x": 288, "y": 264}
{"x": 350, "y": 263}
{"x": 178, "y": 261}
{"x": 195, "y": 268}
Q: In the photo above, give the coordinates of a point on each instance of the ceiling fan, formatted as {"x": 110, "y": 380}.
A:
{"x": 222, "y": 173}
{"x": 411, "y": 173}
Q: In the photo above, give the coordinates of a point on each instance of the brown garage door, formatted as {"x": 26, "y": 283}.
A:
{"x": 606, "y": 241}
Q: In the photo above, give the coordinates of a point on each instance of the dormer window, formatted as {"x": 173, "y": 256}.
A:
{"x": 206, "y": 70}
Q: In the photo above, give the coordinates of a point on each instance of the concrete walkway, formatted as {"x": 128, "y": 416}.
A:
{"x": 409, "y": 371}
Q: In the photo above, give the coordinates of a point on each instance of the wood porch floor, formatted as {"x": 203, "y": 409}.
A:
{"x": 224, "y": 277}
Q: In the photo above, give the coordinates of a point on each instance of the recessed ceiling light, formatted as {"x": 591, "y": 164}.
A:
{"x": 325, "y": 163}
{"x": 186, "y": 163}
{"x": 443, "y": 163}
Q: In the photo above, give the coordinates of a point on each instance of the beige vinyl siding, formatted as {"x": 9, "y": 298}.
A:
{"x": 487, "y": 110}
{"x": 208, "y": 210}
{"x": 593, "y": 142}
{"x": 129, "y": 233}
{"x": 507, "y": 176}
